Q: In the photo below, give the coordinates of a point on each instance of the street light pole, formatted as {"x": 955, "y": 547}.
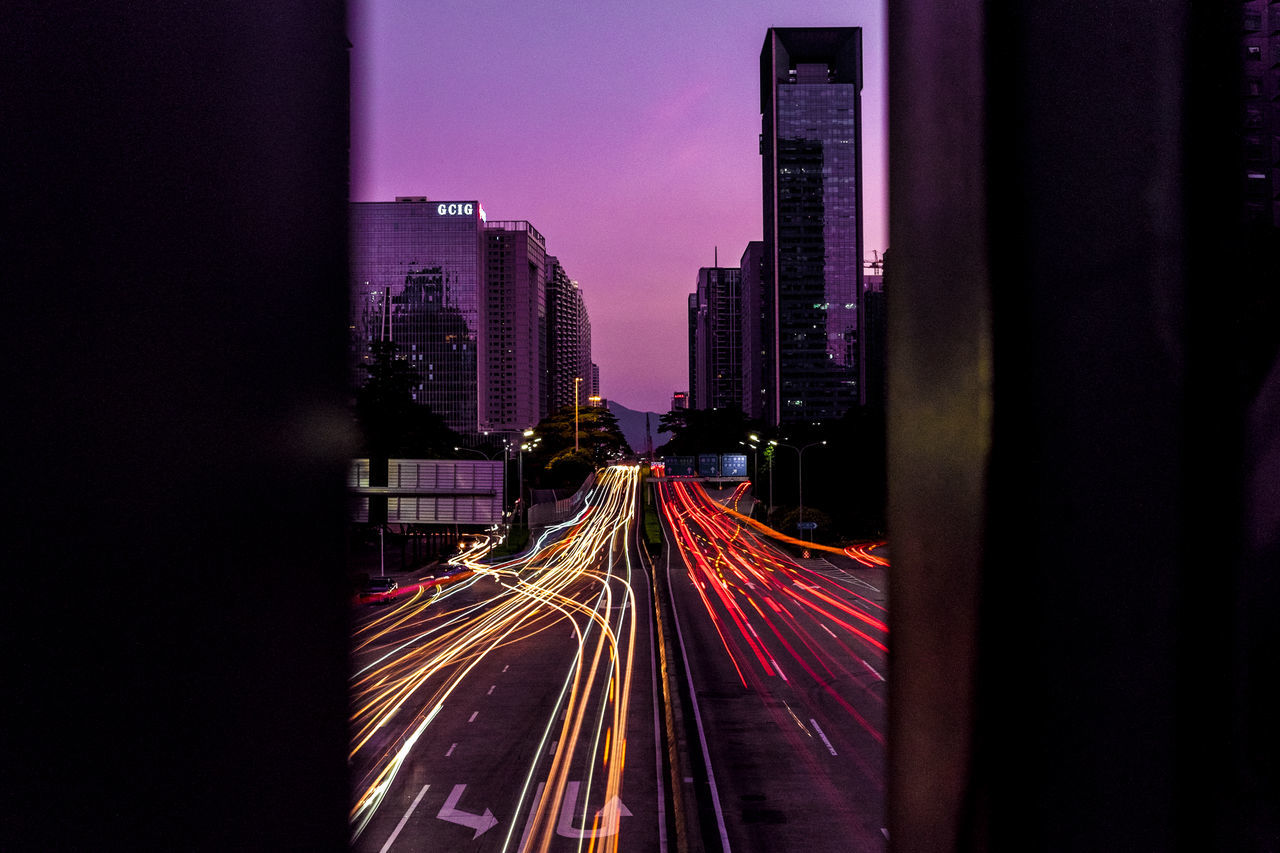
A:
{"x": 576, "y": 381}
{"x": 527, "y": 445}
{"x": 755, "y": 458}
{"x": 800, "y": 473}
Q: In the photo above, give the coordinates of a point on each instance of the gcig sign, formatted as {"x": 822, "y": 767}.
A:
{"x": 457, "y": 209}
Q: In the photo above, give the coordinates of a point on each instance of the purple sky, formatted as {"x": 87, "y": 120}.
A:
{"x": 626, "y": 132}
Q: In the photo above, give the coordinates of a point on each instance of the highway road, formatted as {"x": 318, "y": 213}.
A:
{"x": 787, "y": 662}
{"x": 512, "y": 707}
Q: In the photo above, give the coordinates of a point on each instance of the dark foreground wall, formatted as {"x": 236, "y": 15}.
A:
{"x": 174, "y": 313}
{"x": 1083, "y": 433}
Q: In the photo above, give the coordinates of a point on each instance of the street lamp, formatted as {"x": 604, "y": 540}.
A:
{"x": 506, "y": 449}
{"x": 755, "y": 463}
{"x": 576, "y": 381}
{"x": 527, "y": 445}
{"x": 800, "y": 472}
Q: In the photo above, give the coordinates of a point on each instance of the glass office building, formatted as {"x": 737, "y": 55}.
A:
{"x": 715, "y": 381}
{"x": 811, "y": 294}
{"x": 417, "y": 273}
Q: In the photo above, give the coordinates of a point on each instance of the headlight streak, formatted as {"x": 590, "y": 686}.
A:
{"x": 577, "y": 577}
{"x": 544, "y": 817}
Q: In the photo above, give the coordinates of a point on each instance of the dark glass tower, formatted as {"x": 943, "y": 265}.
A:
{"x": 811, "y": 295}
{"x": 716, "y": 333}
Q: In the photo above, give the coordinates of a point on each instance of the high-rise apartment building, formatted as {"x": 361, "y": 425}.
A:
{"x": 568, "y": 336}
{"x": 417, "y": 272}
{"x": 513, "y": 315}
{"x": 811, "y": 293}
{"x": 716, "y": 333}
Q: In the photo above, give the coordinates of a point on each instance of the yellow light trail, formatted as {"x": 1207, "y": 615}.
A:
{"x": 426, "y": 647}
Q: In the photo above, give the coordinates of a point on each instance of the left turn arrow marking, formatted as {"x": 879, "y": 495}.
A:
{"x": 481, "y": 823}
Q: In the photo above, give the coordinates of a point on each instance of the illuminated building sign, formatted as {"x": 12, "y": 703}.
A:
{"x": 456, "y": 209}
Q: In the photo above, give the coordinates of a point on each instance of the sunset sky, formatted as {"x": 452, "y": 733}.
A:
{"x": 625, "y": 132}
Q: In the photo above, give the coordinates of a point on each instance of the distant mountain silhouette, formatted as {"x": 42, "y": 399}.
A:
{"x": 632, "y": 425}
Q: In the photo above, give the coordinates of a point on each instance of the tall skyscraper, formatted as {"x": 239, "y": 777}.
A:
{"x": 568, "y": 336}
{"x": 692, "y": 400}
{"x": 716, "y": 333}
{"x": 513, "y": 314}
{"x": 811, "y": 294}
{"x": 753, "y": 381}
{"x": 417, "y": 273}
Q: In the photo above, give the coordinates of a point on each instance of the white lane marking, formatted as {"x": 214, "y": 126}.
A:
{"x": 885, "y": 830}
{"x": 492, "y": 687}
{"x": 779, "y": 669}
{"x": 554, "y": 744}
{"x": 873, "y": 670}
{"x": 823, "y": 735}
{"x": 505, "y": 668}
{"x": 405, "y": 819}
{"x": 451, "y": 749}
{"x": 829, "y": 631}
{"x": 867, "y": 585}
{"x": 473, "y": 716}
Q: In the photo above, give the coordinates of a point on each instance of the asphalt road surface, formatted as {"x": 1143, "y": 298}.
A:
{"x": 787, "y": 660}
{"x": 512, "y": 708}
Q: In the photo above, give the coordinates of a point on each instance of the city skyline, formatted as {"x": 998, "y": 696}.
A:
{"x": 631, "y": 144}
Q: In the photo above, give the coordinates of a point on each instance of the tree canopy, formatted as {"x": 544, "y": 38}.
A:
{"x": 391, "y": 422}
{"x": 704, "y": 431}
{"x": 553, "y": 461}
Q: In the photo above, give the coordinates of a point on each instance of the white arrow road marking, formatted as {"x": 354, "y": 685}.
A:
{"x": 610, "y": 816}
{"x": 481, "y": 823}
